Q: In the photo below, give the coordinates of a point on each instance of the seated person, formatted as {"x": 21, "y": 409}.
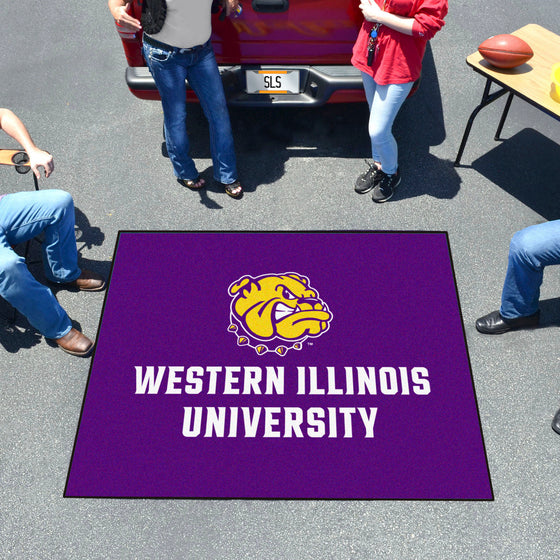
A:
{"x": 25, "y": 215}
{"x": 531, "y": 249}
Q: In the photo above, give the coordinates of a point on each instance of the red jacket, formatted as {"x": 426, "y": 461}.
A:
{"x": 398, "y": 57}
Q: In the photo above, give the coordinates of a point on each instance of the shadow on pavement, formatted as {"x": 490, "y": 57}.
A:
{"x": 420, "y": 125}
{"x": 265, "y": 138}
{"x": 86, "y": 233}
{"x": 527, "y": 166}
{"x": 16, "y": 336}
{"x": 550, "y": 312}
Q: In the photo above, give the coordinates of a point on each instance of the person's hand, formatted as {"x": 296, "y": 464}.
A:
{"x": 124, "y": 19}
{"x": 39, "y": 158}
{"x": 371, "y": 11}
{"x": 230, "y": 6}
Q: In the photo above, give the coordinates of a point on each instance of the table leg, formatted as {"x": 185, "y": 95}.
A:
{"x": 504, "y": 116}
{"x": 487, "y": 98}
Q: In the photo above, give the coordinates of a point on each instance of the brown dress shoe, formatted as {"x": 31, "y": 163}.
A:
{"x": 75, "y": 343}
{"x": 88, "y": 281}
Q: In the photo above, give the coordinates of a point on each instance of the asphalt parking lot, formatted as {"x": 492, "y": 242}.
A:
{"x": 63, "y": 74}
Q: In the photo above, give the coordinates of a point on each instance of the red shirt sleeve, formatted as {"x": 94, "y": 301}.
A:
{"x": 428, "y": 18}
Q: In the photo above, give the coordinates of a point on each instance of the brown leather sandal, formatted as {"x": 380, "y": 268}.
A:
{"x": 235, "y": 190}
{"x": 193, "y": 184}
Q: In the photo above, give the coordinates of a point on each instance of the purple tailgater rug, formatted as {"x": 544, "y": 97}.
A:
{"x": 295, "y": 365}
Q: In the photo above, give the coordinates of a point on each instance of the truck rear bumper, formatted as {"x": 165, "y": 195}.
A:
{"x": 318, "y": 85}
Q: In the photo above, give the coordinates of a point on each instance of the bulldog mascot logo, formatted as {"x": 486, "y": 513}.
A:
{"x": 276, "y": 312}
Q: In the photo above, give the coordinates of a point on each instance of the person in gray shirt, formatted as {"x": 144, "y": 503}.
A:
{"x": 177, "y": 47}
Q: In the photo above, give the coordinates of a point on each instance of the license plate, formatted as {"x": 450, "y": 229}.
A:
{"x": 272, "y": 81}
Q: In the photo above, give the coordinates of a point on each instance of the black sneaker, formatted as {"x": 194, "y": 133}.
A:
{"x": 385, "y": 188}
{"x": 366, "y": 181}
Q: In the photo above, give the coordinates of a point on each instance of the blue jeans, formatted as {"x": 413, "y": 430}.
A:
{"x": 23, "y": 216}
{"x": 170, "y": 69}
{"x": 384, "y": 104}
{"x": 530, "y": 250}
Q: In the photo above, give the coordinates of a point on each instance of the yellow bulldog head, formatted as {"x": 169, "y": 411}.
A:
{"x": 280, "y": 306}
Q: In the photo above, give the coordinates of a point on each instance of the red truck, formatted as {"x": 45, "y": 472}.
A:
{"x": 277, "y": 52}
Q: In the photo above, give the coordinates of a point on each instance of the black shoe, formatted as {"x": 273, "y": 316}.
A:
{"x": 556, "y": 422}
{"x": 386, "y": 186}
{"x": 494, "y": 323}
{"x": 366, "y": 181}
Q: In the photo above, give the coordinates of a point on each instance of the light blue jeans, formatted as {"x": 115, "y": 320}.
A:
{"x": 530, "y": 250}
{"x": 384, "y": 104}
{"x": 23, "y": 216}
{"x": 170, "y": 68}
